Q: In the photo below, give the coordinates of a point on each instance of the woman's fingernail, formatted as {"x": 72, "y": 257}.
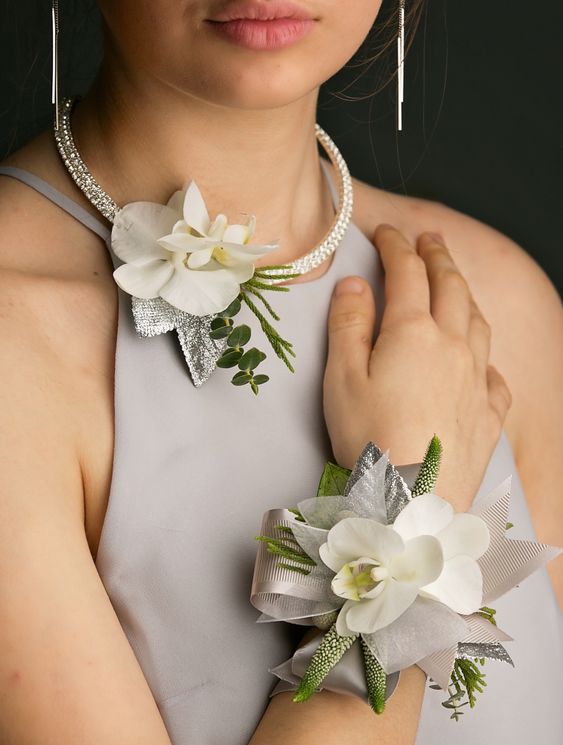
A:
{"x": 438, "y": 237}
{"x": 349, "y": 285}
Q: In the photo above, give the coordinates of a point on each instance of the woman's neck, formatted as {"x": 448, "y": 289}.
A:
{"x": 142, "y": 141}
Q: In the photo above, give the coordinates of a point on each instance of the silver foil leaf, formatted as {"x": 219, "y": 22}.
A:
{"x": 490, "y": 651}
{"x": 201, "y": 352}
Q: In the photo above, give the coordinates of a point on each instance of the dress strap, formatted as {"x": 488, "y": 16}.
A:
{"x": 54, "y": 195}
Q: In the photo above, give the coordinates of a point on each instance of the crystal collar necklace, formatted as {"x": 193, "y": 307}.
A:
{"x": 190, "y": 273}
{"x": 108, "y": 208}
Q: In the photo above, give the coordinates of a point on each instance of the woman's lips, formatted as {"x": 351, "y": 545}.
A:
{"x": 275, "y": 33}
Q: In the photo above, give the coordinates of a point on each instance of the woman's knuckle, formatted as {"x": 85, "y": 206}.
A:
{"x": 348, "y": 319}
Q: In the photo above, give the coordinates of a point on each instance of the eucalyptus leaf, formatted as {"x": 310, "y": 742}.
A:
{"x": 232, "y": 309}
{"x": 220, "y": 333}
{"x": 259, "y": 379}
{"x": 219, "y": 323}
{"x": 241, "y": 378}
{"x": 333, "y": 480}
{"x": 254, "y": 387}
{"x": 239, "y": 336}
{"x": 229, "y": 358}
{"x": 251, "y": 359}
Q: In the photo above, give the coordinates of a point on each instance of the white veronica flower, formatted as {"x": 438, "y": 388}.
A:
{"x": 381, "y": 569}
{"x": 176, "y": 252}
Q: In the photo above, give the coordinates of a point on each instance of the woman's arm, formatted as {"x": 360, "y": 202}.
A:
{"x": 428, "y": 372}
{"x": 333, "y": 719}
{"x": 68, "y": 675}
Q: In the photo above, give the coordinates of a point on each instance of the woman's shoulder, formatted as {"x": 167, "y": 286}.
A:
{"x": 49, "y": 262}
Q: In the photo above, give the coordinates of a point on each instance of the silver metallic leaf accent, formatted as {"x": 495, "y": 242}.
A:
{"x": 156, "y": 316}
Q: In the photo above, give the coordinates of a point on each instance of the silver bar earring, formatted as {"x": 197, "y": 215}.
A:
{"x": 401, "y": 65}
{"x": 55, "y": 71}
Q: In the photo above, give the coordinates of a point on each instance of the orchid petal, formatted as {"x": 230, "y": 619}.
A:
{"x": 176, "y": 201}
{"x": 341, "y": 625}
{"x": 143, "y": 280}
{"x": 466, "y": 534}
{"x": 344, "y": 585}
{"x": 236, "y": 234}
{"x": 183, "y": 242}
{"x": 357, "y": 536}
{"x": 194, "y": 209}
{"x": 201, "y": 257}
{"x": 420, "y": 563}
{"x": 136, "y": 229}
{"x": 249, "y": 252}
{"x": 217, "y": 228}
{"x": 427, "y": 514}
{"x": 459, "y": 586}
{"x": 202, "y": 292}
{"x": 368, "y": 616}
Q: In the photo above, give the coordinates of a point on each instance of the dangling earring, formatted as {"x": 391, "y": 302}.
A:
{"x": 401, "y": 65}
{"x": 55, "y": 72}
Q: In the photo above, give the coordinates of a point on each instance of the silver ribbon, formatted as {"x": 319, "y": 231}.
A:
{"x": 348, "y": 677}
{"x": 156, "y": 316}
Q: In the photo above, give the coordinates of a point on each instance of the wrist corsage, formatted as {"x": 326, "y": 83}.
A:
{"x": 394, "y": 577}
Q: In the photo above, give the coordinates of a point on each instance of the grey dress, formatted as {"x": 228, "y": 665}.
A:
{"x": 194, "y": 469}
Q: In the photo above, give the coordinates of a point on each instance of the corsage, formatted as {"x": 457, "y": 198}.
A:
{"x": 188, "y": 273}
{"x": 394, "y": 577}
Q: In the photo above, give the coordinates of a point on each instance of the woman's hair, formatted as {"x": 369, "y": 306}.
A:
{"x": 377, "y": 45}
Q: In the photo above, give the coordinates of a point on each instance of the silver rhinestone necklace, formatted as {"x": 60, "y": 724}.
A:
{"x": 108, "y": 208}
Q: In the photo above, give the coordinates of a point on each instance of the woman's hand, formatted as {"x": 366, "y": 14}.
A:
{"x": 427, "y": 373}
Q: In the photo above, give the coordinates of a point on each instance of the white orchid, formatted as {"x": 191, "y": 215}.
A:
{"x": 381, "y": 569}
{"x": 176, "y": 252}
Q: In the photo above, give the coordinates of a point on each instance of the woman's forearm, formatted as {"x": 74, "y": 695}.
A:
{"x": 336, "y": 719}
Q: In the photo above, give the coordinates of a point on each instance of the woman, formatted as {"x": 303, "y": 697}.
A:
{"x": 206, "y": 90}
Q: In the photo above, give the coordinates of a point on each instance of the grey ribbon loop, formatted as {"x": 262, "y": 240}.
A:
{"x": 156, "y": 316}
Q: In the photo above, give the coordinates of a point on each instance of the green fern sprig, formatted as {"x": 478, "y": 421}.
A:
{"x": 281, "y": 346}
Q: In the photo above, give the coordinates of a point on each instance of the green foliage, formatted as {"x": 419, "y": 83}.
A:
{"x": 330, "y": 651}
{"x": 428, "y": 472}
{"x": 239, "y": 336}
{"x": 229, "y": 358}
{"x": 333, "y": 480}
{"x": 222, "y": 327}
{"x": 488, "y": 613}
{"x": 376, "y": 679}
{"x": 467, "y": 681}
{"x": 288, "y": 548}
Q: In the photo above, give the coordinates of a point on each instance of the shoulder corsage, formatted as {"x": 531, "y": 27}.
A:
{"x": 187, "y": 272}
{"x": 394, "y": 577}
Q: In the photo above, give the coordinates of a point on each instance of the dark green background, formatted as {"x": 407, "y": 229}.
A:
{"x": 483, "y": 119}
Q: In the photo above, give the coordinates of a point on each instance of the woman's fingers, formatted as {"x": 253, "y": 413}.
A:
{"x": 449, "y": 292}
{"x": 479, "y": 337}
{"x": 350, "y": 327}
{"x": 406, "y": 284}
{"x": 500, "y": 398}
